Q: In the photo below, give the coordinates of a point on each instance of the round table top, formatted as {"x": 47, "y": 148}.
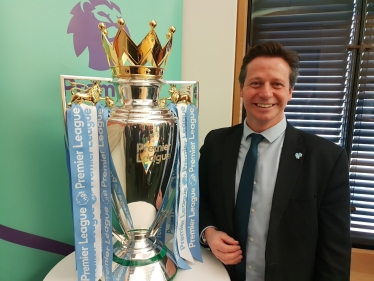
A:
{"x": 210, "y": 269}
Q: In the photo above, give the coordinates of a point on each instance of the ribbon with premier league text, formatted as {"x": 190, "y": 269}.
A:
{"x": 83, "y": 140}
{"x": 192, "y": 128}
{"x": 93, "y": 144}
{"x": 171, "y": 223}
{"x": 118, "y": 192}
{"x": 183, "y": 195}
{"x": 105, "y": 192}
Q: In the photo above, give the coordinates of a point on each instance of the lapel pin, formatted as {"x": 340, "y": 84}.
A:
{"x": 298, "y": 155}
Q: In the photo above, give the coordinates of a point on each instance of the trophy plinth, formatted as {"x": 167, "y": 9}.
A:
{"x": 145, "y": 258}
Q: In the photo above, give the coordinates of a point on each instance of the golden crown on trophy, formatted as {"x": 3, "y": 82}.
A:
{"x": 128, "y": 60}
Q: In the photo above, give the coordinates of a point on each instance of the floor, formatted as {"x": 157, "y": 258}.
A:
{"x": 362, "y": 265}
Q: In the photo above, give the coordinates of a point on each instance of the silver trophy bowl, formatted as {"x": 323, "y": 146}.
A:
{"x": 142, "y": 138}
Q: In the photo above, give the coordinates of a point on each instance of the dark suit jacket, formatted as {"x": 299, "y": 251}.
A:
{"x": 309, "y": 228}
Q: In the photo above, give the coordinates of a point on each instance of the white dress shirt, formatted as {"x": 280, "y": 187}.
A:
{"x": 269, "y": 151}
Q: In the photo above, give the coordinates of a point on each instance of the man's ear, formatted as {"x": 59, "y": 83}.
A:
{"x": 290, "y": 95}
{"x": 241, "y": 91}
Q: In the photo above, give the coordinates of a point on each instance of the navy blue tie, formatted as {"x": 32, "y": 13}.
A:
{"x": 244, "y": 200}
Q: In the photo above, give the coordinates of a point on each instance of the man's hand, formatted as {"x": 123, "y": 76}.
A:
{"x": 224, "y": 247}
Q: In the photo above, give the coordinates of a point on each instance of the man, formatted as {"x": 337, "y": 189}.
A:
{"x": 299, "y": 215}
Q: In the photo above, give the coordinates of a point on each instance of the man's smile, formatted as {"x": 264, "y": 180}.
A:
{"x": 264, "y": 105}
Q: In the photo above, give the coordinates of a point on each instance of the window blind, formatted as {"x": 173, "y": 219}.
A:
{"x": 362, "y": 153}
{"x": 320, "y": 32}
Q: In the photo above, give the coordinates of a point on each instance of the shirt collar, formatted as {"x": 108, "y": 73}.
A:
{"x": 270, "y": 134}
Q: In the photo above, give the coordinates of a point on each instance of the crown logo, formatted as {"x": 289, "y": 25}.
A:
{"x": 144, "y": 61}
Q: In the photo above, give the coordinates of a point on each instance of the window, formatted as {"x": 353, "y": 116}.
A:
{"x": 334, "y": 95}
{"x": 362, "y": 143}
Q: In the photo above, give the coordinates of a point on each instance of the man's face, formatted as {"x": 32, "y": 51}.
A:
{"x": 266, "y": 92}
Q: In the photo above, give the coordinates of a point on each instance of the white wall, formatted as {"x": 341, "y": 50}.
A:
{"x": 208, "y": 55}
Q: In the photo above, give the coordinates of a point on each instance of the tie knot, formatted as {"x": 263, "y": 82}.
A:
{"x": 256, "y": 139}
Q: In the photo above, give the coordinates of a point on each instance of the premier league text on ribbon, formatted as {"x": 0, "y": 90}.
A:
{"x": 182, "y": 209}
{"x": 183, "y": 200}
{"x": 193, "y": 182}
{"x": 81, "y": 193}
{"x": 106, "y": 203}
{"x": 91, "y": 117}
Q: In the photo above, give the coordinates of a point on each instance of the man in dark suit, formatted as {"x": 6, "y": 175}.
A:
{"x": 299, "y": 210}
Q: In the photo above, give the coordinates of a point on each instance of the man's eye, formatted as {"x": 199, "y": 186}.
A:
{"x": 255, "y": 84}
{"x": 278, "y": 85}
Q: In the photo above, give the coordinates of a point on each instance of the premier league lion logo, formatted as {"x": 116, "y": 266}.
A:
{"x": 192, "y": 180}
{"x": 105, "y": 197}
{"x": 84, "y": 26}
{"x": 82, "y": 198}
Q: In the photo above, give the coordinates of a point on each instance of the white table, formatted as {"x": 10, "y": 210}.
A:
{"x": 210, "y": 269}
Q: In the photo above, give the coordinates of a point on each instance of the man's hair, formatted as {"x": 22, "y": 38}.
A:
{"x": 274, "y": 50}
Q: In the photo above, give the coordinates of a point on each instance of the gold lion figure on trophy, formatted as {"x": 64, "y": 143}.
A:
{"x": 176, "y": 96}
{"x": 86, "y": 94}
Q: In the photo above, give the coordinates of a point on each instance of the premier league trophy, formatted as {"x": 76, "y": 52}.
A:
{"x": 138, "y": 156}
{"x": 142, "y": 138}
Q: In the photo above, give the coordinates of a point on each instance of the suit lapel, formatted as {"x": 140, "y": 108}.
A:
{"x": 230, "y": 157}
{"x": 288, "y": 172}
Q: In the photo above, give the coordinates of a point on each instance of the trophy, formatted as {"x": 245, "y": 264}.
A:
{"x": 142, "y": 137}
{"x": 140, "y": 160}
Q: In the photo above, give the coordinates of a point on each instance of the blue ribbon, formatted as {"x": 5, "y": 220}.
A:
{"x": 176, "y": 185}
{"x": 120, "y": 271}
{"x": 192, "y": 129}
{"x": 81, "y": 193}
{"x": 166, "y": 204}
{"x": 118, "y": 191}
{"x": 105, "y": 191}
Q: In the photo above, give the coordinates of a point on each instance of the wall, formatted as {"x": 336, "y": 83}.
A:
{"x": 36, "y": 49}
{"x": 208, "y": 55}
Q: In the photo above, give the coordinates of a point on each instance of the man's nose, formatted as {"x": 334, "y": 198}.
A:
{"x": 266, "y": 91}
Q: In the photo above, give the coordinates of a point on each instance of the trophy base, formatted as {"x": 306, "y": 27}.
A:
{"x": 143, "y": 258}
